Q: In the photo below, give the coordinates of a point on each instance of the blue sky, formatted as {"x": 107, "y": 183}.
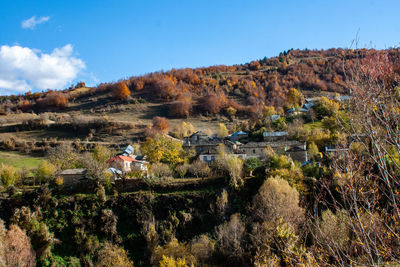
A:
{"x": 105, "y": 40}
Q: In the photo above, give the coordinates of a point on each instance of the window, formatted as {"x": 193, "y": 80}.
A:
{"x": 254, "y": 151}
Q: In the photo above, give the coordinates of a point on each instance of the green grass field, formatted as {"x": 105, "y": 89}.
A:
{"x": 19, "y": 161}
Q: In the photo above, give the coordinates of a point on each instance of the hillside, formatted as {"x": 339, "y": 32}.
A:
{"x": 188, "y": 91}
{"x": 120, "y": 112}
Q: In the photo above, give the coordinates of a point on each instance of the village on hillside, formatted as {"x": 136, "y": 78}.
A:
{"x": 129, "y": 164}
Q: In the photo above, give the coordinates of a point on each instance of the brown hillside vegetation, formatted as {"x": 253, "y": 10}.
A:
{"x": 247, "y": 88}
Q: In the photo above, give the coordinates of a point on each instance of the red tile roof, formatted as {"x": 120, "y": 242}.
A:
{"x": 124, "y": 158}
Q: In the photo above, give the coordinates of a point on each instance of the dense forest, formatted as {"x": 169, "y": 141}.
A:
{"x": 338, "y": 208}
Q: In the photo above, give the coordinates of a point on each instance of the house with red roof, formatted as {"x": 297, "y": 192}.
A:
{"x": 122, "y": 163}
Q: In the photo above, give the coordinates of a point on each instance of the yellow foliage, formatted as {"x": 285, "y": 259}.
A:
{"x": 162, "y": 149}
{"x": 171, "y": 262}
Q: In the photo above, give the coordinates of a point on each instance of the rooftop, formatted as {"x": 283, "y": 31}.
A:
{"x": 73, "y": 171}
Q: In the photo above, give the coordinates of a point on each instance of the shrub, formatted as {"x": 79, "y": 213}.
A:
{"x": 175, "y": 250}
{"x": 202, "y": 248}
{"x": 182, "y": 169}
{"x": 199, "y": 169}
{"x": 161, "y": 170}
{"x": 229, "y": 243}
{"x": 101, "y": 153}
{"x": 8, "y": 175}
{"x": 160, "y": 124}
{"x": 222, "y": 131}
{"x": 113, "y": 255}
{"x": 17, "y": 248}
{"x": 120, "y": 91}
{"x": 45, "y": 171}
{"x": 333, "y": 230}
{"x": 277, "y": 199}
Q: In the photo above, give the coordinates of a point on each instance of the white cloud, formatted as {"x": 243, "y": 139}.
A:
{"x": 23, "y": 69}
{"x": 32, "y": 22}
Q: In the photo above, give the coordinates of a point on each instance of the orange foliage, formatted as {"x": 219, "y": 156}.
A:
{"x": 160, "y": 124}
{"x": 213, "y": 103}
{"x": 54, "y": 99}
{"x": 120, "y": 91}
{"x": 182, "y": 106}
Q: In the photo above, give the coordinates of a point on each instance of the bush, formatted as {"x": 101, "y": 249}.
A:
{"x": 182, "y": 169}
{"x": 229, "y": 242}
{"x": 113, "y": 255}
{"x": 45, "y": 172}
{"x": 199, "y": 169}
{"x": 101, "y": 153}
{"x": 120, "y": 91}
{"x": 161, "y": 170}
{"x": 174, "y": 250}
{"x": 8, "y": 175}
{"x": 202, "y": 248}
{"x": 160, "y": 124}
{"x": 277, "y": 199}
{"x": 333, "y": 230}
{"x": 326, "y": 107}
{"x": 17, "y": 247}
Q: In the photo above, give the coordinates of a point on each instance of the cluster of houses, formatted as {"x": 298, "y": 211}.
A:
{"x": 237, "y": 144}
{"x": 120, "y": 164}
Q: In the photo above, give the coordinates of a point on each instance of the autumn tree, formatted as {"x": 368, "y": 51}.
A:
{"x": 231, "y": 166}
{"x": 176, "y": 251}
{"x": 367, "y": 178}
{"x": 213, "y": 103}
{"x": 120, "y": 91}
{"x": 182, "y": 106}
{"x": 64, "y": 156}
{"x": 160, "y": 170}
{"x": 45, "y": 171}
{"x": 54, "y": 99}
{"x": 184, "y": 129}
{"x": 294, "y": 98}
{"x": 101, "y": 153}
{"x": 230, "y": 237}
{"x": 277, "y": 199}
{"x": 113, "y": 255}
{"x": 17, "y": 248}
{"x": 199, "y": 169}
{"x": 222, "y": 131}
{"x": 8, "y": 175}
{"x": 326, "y": 107}
{"x": 160, "y": 124}
{"x": 162, "y": 149}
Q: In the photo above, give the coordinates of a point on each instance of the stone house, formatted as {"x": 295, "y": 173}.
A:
{"x": 196, "y": 138}
{"x": 73, "y": 176}
{"x": 296, "y": 150}
{"x": 275, "y": 136}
